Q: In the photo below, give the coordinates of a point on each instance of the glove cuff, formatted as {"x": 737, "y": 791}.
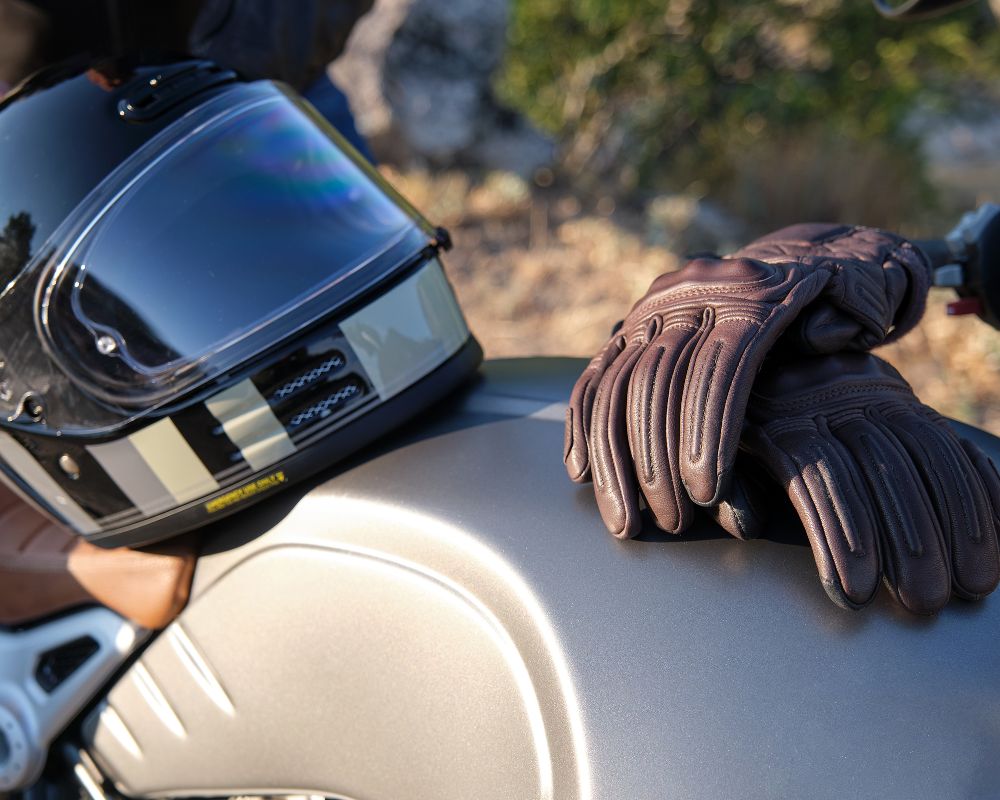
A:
{"x": 921, "y": 277}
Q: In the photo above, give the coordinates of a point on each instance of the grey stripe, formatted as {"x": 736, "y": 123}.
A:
{"x": 133, "y": 475}
{"x": 32, "y": 473}
{"x": 249, "y": 422}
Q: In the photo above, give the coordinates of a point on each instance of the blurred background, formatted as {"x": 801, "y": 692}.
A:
{"x": 578, "y": 148}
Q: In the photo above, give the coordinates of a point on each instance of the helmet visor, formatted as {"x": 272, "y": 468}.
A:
{"x": 244, "y": 221}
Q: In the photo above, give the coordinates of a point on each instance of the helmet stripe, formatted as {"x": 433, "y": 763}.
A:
{"x": 250, "y": 423}
{"x": 155, "y": 467}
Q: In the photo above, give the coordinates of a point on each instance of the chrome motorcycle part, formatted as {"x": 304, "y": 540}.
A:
{"x": 86, "y": 774}
{"x": 48, "y": 673}
{"x": 975, "y": 244}
{"x": 17, "y": 759}
{"x": 448, "y": 619}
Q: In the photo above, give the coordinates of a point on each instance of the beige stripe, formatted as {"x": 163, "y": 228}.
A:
{"x": 173, "y": 461}
{"x": 127, "y": 467}
{"x": 32, "y": 473}
{"x": 408, "y": 331}
{"x": 248, "y": 420}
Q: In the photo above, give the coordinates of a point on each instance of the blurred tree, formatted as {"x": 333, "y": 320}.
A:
{"x": 662, "y": 93}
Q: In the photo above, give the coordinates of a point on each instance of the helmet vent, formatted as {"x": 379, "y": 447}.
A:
{"x": 306, "y": 379}
{"x": 349, "y": 390}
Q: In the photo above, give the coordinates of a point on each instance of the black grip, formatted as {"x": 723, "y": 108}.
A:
{"x": 936, "y": 251}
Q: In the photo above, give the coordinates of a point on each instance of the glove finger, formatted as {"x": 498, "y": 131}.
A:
{"x": 579, "y": 413}
{"x": 716, "y": 392}
{"x": 987, "y": 469}
{"x": 986, "y": 548}
{"x": 722, "y": 371}
{"x": 959, "y": 498}
{"x": 654, "y": 402}
{"x": 822, "y": 481}
{"x": 855, "y": 312}
{"x": 915, "y": 561}
{"x": 743, "y": 511}
{"x": 611, "y": 460}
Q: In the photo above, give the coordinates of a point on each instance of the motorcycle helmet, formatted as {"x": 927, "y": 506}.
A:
{"x": 205, "y": 295}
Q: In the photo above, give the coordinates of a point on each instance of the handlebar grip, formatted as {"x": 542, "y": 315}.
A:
{"x": 936, "y": 251}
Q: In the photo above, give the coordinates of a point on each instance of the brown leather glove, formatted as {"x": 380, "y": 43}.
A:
{"x": 660, "y": 408}
{"x": 882, "y": 484}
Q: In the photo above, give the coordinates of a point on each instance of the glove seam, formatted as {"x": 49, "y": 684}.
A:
{"x": 828, "y": 394}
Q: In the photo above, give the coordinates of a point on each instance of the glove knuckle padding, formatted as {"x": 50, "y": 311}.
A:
{"x": 706, "y": 277}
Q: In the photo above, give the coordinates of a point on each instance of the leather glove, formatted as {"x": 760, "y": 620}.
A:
{"x": 660, "y": 408}
{"x": 881, "y": 482}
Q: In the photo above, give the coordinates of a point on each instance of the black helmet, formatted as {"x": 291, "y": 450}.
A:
{"x": 205, "y": 294}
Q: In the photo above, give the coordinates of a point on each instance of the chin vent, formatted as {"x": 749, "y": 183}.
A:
{"x": 325, "y": 369}
{"x": 339, "y": 397}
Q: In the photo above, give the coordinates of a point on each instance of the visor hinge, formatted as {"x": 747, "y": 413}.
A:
{"x": 442, "y": 239}
{"x": 29, "y": 409}
{"x": 171, "y": 86}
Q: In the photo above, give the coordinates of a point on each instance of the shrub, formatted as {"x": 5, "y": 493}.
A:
{"x": 655, "y": 94}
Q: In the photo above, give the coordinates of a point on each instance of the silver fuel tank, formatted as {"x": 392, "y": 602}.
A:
{"x": 446, "y": 617}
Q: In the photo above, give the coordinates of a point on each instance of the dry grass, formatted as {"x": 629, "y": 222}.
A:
{"x": 538, "y": 275}
{"x": 953, "y": 364}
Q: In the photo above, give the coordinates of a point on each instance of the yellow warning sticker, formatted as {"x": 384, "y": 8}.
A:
{"x": 245, "y": 492}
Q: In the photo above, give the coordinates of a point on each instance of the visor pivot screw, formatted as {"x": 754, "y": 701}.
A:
{"x": 106, "y": 345}
{"x": 68, "y": 465}
{"x": 33, "y": 407}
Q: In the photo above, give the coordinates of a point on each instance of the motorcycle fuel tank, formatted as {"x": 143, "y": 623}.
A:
{"x": 447, "y": 618}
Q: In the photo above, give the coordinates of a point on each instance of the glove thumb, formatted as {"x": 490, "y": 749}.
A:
{"x": 742, "y": 512}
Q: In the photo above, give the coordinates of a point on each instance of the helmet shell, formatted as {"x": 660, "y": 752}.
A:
{"x": 207, "y": 295}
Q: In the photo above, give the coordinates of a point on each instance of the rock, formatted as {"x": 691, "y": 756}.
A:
{"x": 358, "y": 71}
{"x": 22, "y": 30}
{"x": 686, "y": 224}
{"x": 961, "y": 151}
{"x": 419, "y": 77}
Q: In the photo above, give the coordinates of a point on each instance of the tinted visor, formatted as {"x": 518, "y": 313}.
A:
{"x": 241, "y": 223}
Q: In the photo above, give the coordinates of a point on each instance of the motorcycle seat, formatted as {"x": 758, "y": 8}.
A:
{"x": 46, "y": 569}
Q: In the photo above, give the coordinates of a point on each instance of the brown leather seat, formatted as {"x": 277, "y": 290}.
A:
{"x": 45, "y": 568}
